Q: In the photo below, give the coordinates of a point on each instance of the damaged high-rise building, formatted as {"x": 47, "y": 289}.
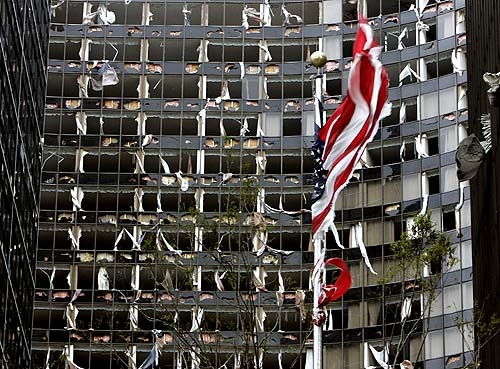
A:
{"x": 175, "y": 222}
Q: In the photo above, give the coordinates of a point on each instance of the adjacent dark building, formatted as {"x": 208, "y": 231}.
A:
{"x": 23, "y": 55}
{"x": 483, "y": 20}
{"x": 177, "y": 147}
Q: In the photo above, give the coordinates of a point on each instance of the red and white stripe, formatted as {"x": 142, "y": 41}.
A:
{"x": 352, "y": 125}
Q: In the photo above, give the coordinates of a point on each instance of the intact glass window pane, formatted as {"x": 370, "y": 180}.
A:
{"x": 373, "y": 193}
{"x": 308, "y": 123}
{"x": 351, "y": 197}
{"x": 434, "y": 345}
{"x": 447, "y": 100}
{"x": 466, "y": 257}
{"x": 467, "y": 295}
{"x": 332, "y": 11}
{"x": 372, "y": 234}
{"x": 333, "y": 47}
{"x": 449, "y": 180}
{"x": 272, "y": 124}
{"x": 452, "y": 341}
{"x": 392, "y": 190}
{"x": 465, "y": 219}
{"x": 446, "y": 25}
{"x": 447, "y": 139}
{"x": 411, "y": 186}
{"x": 452, "y": 299}
{"x": 429, "y": 106}
{"x": 250, "y": 88}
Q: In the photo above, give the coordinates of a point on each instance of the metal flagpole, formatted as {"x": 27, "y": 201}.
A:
{"x": 318, "y": 59}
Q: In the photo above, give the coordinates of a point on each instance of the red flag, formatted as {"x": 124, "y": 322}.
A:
{"x": 332, "y": 292}
{"x": 342, "y": 140}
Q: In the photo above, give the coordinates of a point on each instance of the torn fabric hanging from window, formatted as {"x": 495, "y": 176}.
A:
{"x": 425, "y": 193}
{"x": 105, "y": 76}
{"x": 462, "y": 97}
{"x": 75, "y": 233}
{"x": 79, "y": 156}
{"x": 53, "y": 8}
{"x": 244, "y": 127}
{"x": 160, "y": 239}
{"x": 118, "y": 239}
{"x": 221, "y": 128}
{"x": 309, "y": 359}
{"x": 76, "y": 198}
{"x": 197, "y": 317}
{"x": 267, "y": 13}
{"x": 81, "y": 123}
{"x": 458, "y": 222}
{"x": 402, "y": 113}
{"x": 83, "y": 83}
{"x": 71, "y": 314}
{"x": 167, "y": 282}
{"x": 260, "y": 131}
{"x": 406, "y": 309}
{"x": 261, "y": 315}
{"x": 101, "y": 126}
{"x": 147, "y": 16}
{"x": 408, "y": 72}
{"x": 105, "y": 16}
{"x": 218, "y": 280}
{"x": 102, "y": 279}
{"x": 158, "y": 203}
{"x": 69, "y": 359}
{"x": 148, "y": 140}
{"x": 203, "y": 51}
{"x": 182, "y": 181}
{"x": 189, "y": 169}
{"x": 133, "y": 313}
{"x": 139, "y": 161}
{"x": 421, "y": 146}
{"x": 382, "y": 356}
{"x": 261, "y": 161}
{"x": 186, "y": 13}
{"x": 198, "y": 198}
{"x": 135, "y": 277}
{"x": 224, "y": 93}
{"x": 356, "y": 238}
{"x": 89, "y": 16}
{"x": 141, "y": 124}
{"x": 135, "y": 244}
{"x": 265, "y": 54}
{"x": 403, "y": 34}
{"x": 402, "y": 151}
{"x": 458, "y": 61}
{"x": 288, "y": 17}
{"x": 251, "y": 13}
{"x": 259, "y": 278}
{"x": 138, "y": 194}
{"x": 72, "y": 277}
{"x": 265, "y": 95}
{"x": 152, "y": 359}
{"x": 164, "y": 164}
{"x": 85, "y": 49}
{"x": 143, "y": 88}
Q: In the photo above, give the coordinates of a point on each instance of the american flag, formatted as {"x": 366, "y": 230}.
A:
{"x": 341, "y": 141}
